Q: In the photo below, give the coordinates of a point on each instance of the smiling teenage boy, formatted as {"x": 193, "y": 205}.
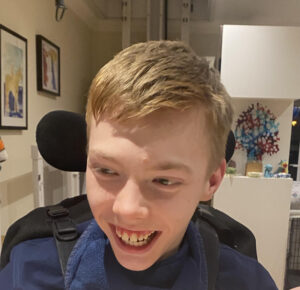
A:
{"x": 158, "y": 120}
{"x": 157, "y": 124}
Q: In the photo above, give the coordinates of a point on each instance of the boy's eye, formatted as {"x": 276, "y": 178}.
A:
{"x": 165, "y": 182}
{"x": 106, "y": 171}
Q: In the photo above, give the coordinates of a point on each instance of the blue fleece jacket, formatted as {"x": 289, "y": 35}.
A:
{"x": 34, "y": 265}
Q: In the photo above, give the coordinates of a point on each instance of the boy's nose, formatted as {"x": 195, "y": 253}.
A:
{"x": 129, "y": 204}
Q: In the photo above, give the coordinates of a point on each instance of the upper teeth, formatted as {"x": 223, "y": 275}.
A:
{"x": 132, "y": 237}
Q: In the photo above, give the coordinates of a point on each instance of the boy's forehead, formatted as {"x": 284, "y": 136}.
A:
{"x": 184, "y": 130}
{"x": 168, "y": 120}
{"x": 163, "y": 114}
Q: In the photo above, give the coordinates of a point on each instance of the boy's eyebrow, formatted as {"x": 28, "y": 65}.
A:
{"x": 100, "y": 154}
{"x": 165, "y": 165}
{"x": 169, "y": 165}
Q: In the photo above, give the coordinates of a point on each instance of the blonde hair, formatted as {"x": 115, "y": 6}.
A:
{"x": 155, "y": 75}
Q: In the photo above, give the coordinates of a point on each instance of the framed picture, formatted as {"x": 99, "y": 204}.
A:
{"x": 48, "y": 66}
{"x": 13, "y": 80}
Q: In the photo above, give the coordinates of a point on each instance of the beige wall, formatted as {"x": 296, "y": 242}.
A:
{"x": 107, "y": 39}
{"x": 106, "y": 42}
{"x": 74, "y": 38}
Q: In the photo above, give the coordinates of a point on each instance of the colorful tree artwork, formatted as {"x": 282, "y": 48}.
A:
{"x": 257, "y": 132}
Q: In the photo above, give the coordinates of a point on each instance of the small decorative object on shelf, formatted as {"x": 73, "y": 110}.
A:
{"x": 3, "y": 153}
{"x": 282, "y": 175}
{"x": 257, "y": 133}
{"x": 254, "y": 174}
{"x": 231, "y": 168}
{"x": 254, "y": 166}
{"x": 268, "y": 171}
{"x": 282, "y": 170}
{"x": 282, "y": 167}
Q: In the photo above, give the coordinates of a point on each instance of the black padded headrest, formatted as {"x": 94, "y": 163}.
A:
{"x": 61, "y": 139}
{"x": 230, "y": 146}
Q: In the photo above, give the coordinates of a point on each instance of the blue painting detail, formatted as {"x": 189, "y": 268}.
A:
{"x": 12, "y": 103}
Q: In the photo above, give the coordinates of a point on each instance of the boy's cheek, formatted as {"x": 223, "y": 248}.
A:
{"x": 99, "y": 200}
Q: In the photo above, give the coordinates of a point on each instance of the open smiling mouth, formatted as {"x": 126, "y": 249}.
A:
{"x": 137, "y": 240}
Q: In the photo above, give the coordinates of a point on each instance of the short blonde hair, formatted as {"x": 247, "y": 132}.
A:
{"x": 155, "y": 75}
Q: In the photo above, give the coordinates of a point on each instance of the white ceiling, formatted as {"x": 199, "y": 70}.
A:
{"x": 268, "y": 12}
{"x": 113, "y": 8}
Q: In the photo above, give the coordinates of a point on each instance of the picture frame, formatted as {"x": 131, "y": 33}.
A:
{"x": 48, "y": 66}
{"x": 13, "y": 80}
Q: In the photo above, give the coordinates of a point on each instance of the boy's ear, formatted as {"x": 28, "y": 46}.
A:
{"x": 215, "y": 180}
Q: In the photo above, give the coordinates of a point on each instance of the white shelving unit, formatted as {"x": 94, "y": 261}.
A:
{"x": 263, "y": 205}
{"x": 262, "y": 64}
{"x": 261, "y": 61}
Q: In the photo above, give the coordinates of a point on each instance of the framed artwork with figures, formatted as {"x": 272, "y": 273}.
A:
{"x": 48, "y": 66}
{"x": 13, "y": 76}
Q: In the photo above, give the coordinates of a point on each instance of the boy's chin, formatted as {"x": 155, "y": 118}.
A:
{"x": 135, "y": 265}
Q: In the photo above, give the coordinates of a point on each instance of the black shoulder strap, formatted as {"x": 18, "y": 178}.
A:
{"x": 66, "y": 236}
{"x": 211, "y": 246}
{"x": 230, "y": 232}
{"x": 64, "y": 233}
{"x": 216, "y": 227}
{"x": 38, "y": 224}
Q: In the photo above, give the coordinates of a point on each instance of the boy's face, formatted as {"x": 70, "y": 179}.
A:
{"x": 144, "y": 180}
